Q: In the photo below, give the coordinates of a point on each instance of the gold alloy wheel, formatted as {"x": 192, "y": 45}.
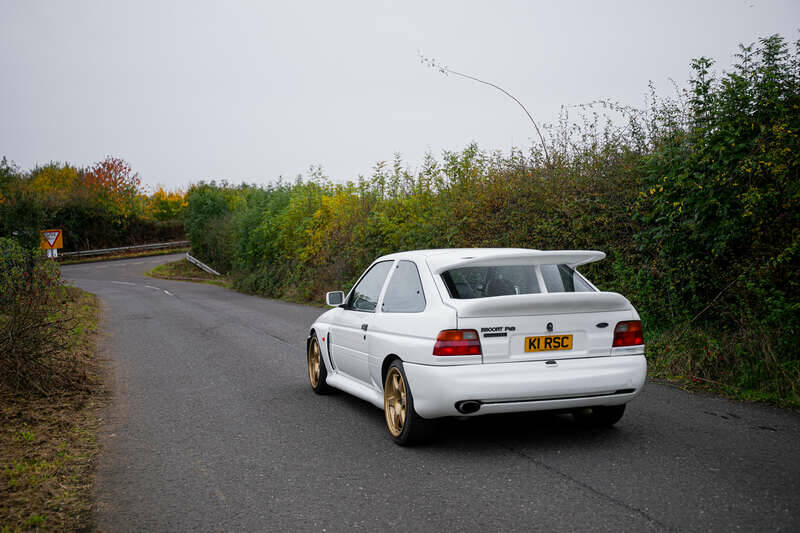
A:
{"x": 314, "y": 363}
{"x": 394, "y": 401}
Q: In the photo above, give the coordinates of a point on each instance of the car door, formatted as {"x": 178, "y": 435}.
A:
{"x": 348, "y": 335}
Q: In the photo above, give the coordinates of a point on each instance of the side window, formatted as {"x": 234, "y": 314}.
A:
{"x": 404, "y": 293}
{"x": 365, "y": 295}
{"x": 561, "y": 278}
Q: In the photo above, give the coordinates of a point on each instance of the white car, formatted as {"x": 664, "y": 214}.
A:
{"x": 466, "y": 332}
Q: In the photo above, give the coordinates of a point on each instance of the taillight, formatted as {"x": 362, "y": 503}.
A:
{"x": 457, "y": 342}
{"x": 628, "y": 333}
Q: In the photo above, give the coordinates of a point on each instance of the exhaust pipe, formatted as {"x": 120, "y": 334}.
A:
{"x": 467, "y": 407}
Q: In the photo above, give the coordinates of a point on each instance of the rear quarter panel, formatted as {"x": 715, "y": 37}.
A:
{"x": 411, "y": 336}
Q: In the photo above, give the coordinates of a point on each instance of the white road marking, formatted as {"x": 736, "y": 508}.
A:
{"x": 167, "y": 292}
{"x": 103, "y": 266}
{"x": 138, "y": 263}
{"x": 151, "y": 287}
{"x": 123, "y": 283}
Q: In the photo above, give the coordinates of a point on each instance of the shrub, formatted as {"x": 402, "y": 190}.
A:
{"x": 35, "y": 325}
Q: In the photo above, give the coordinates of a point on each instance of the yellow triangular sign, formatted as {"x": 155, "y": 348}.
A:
{"x": 51, "y": 237}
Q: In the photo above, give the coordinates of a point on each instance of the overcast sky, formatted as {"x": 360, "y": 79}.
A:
{"x": 253, "y": 90}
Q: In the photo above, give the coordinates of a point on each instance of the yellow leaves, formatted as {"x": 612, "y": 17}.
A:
{"x": 54, "y": 184}
{"x": 165, "y": 205}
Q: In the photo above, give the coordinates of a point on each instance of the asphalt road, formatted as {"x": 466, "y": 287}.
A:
{"x": 215, "y": 428}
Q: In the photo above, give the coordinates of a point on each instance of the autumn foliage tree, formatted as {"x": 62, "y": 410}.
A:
{"x": 114, "y": 187}
{"x": 165, "y": 205}
{"x": 100, "y": 206}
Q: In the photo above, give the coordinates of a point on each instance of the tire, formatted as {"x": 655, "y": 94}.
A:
{"x": 317, "y": 373}
{"x": 599, "y": 416}
{"x": 405, "y": 426}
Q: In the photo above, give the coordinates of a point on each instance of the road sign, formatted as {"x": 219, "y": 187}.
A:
{"x": 52, "y": 239}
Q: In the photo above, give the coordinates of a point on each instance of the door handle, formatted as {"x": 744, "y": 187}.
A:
{"x": 364, "y": 326}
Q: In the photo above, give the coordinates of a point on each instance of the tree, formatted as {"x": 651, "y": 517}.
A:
{"x": 114, "y": 187}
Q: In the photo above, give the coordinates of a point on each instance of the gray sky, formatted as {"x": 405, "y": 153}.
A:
{"x": 252, "y": 90}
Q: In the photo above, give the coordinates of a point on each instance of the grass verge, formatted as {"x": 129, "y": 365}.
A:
{"x": 697, "y": 384}
{"x": 111, "y": 257}
{"x": 740, "y": 364}
{"x": 48, "y": 444}
{"x": 183, "y": 270}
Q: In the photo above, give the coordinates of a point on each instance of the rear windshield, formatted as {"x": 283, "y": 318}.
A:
{"x": 483, "y": 282}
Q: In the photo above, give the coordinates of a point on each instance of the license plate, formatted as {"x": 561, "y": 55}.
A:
{"x": 548, "y": 343}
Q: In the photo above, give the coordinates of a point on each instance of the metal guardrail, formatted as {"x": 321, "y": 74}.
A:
{"x": 200, "y": 264}
{"x": 104, "y": 251}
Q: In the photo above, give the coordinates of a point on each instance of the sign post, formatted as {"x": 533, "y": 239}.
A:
{"x": 52, "y": 240}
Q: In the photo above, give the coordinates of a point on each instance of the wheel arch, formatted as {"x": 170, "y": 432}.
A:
{"x": 311, "y": 335}
{"x": 388, "y": 360}
{"x": 318, "y": 331}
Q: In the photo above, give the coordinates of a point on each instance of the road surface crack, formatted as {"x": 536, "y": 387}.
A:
{"x": 591, "y": 489}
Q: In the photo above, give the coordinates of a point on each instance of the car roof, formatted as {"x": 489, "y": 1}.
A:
{"x": 445, "y": 258}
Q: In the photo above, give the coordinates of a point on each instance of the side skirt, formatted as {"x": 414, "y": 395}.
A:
{"x": 359, "y": 390}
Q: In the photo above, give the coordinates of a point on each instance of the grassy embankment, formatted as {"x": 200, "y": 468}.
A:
{"x": 183, "y": 270}
{"x": 48, "y": 443}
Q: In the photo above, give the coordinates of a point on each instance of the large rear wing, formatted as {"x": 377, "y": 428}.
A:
{"x": 573, "y": 258}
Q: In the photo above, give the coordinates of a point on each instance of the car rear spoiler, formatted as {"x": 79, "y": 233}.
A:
{"x": 540, "y": 304}
{"x": 572, "y": 258}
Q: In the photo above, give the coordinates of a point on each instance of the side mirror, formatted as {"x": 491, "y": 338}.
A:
{"x": 334, "y": 298}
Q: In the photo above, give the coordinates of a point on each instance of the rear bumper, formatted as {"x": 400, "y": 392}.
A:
{"x": 526, "y": 386}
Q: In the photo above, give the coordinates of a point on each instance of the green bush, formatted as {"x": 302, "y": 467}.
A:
{"x": 696, "y": 201}
{"x": 34, "y": 322}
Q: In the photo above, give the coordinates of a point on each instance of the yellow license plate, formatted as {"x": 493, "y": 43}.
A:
{"x": 548, "y": 343}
